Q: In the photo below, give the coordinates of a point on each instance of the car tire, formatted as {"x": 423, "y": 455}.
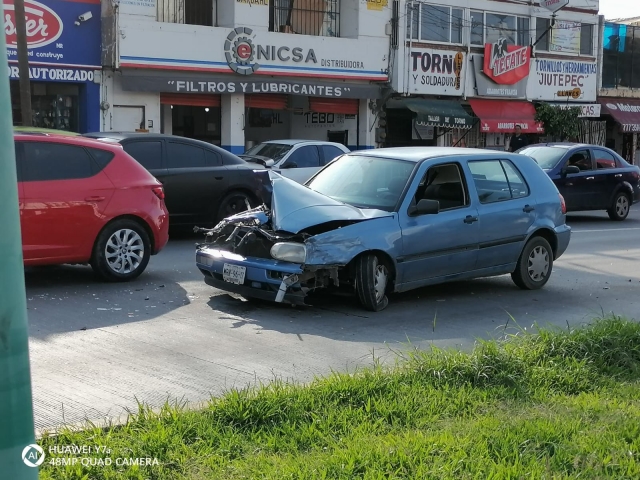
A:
{"x": 534, "y": 266}
{"x": 233, "y": 203}
{"x": 122, "y": 251}
{"x": 619, "y": 210}
{"x": 372, "y": 281}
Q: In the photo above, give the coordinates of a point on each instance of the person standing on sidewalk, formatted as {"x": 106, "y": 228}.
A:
{"x": 518, "y": 140}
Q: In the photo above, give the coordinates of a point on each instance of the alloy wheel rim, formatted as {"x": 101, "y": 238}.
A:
{"x": 622, "y": 206}
{"x": 237, "y": 204}
{"x": 380, "y": 278}
{"x": 124, "y": 251}
{"x": 538, "y": 265}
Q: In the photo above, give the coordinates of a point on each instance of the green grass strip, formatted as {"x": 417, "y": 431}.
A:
{"x": 551, "y": 405}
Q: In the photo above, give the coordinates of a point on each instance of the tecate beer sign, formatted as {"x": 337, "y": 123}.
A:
{"x": 506, "y": 64}
{"x": 44, "y": 26}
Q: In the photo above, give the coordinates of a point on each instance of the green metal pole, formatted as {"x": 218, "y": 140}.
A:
{"x": 18, "y": 461}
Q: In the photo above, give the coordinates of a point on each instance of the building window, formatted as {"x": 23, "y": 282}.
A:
{"x": 487, "y": 27}
{"x": 189, "y": 12}
{"x": 305, "y": 17}
{"x": 586, "y": 39}
{"x": 433, "y": 23}
{"x": 621, "y": 56}
{"x": 545, "y": 43}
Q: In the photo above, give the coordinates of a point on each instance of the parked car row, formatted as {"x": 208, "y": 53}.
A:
{"x": 293, "y": 216}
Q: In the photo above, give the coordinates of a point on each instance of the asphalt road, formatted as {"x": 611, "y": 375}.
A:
{"x": 98, "y": 348}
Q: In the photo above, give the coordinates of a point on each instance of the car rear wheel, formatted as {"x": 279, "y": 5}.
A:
{"x": 372, "y": 280}
{"x": 534, "y": 265}
{"x": 619, "y": 211}
{"x": 122, "y": 251}
{"x": 233, "y": 203}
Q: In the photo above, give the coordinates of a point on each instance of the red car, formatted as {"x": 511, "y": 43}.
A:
{"x": 86, "y": 201}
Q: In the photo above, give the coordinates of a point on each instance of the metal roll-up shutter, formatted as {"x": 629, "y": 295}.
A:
{"x": 269, "y": 101}
{"x": 190, "y": 99}
{"x": 347, "y": 106}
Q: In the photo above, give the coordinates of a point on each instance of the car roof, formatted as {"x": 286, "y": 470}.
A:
{"x": 296, "y": 141}
{"x": 417, "y": 154}
{"x": 62, "y": 138}
{"x": 566, "y": 145}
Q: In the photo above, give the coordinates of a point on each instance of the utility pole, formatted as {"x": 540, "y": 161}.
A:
{"x": 19, "y": 457}
{"x": 23, "y": 64}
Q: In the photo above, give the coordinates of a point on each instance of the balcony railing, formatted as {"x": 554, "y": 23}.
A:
{"x": 305, "y": 17}
{"x": 189, "y": 12}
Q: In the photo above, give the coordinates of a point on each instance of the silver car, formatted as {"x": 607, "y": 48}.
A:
{"x": 298, "y": 160}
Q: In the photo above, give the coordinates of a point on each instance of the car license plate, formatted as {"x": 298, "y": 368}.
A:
{"x": 233, "y": 273}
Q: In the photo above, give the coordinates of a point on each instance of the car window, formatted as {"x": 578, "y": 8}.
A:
{"x": 546, "y": 157}
{"x": 492, "y": 183}
{"x": 212, "y": 159}
{"x": 364, "y": 181}
{"x": 181, "y": 155}
{"x": 444, "y": 183}
{"x": 580, "y": 159}
{"x": 517, "y": 184}
{"x": 148, "y": 154}
{"x": 274, "y": 151}
{"x": 604, "y": 159}
{"x": 304, "y": 157}
{"x": 330, "y": 152}
{"x": 101, "y": 157}
{"x": 55, "y": 161}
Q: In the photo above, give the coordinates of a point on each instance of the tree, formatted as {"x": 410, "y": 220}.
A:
{"x": 559, "y": 123}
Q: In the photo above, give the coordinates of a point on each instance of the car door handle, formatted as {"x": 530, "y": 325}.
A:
{"x": 591, "y": 178}
{"x": 469, "y": 219}
{"x": 618, "y": 175}
{"x": 528, "y": 209}
{"x": 94, "y": 199}
{"x": 218, "y": 178}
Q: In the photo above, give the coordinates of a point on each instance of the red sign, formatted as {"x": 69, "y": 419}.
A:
{"x": 44, "y": 26}
{"x": 506, "y": 64}
{"x": 509, "y": 126}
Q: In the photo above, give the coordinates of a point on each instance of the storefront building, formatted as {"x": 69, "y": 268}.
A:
{"x": 235, "y": 73}
{"x": 63, "y": 38}
{"x": 477, "y": 58}
{"x": 620, "y": 90}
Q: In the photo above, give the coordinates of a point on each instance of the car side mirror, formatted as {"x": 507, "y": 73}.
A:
{"x": 290, "y": 165}
{"x": 269, "y": 163}
{"x": 426, "y": 207}
{"x": 570, "y": 170}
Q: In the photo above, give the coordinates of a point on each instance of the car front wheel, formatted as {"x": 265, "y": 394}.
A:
{"x": 372, "y": 279}
{"x": 620, "y": 208}
{"x": 233, "y": 203}
{"x": 534, "y": 265}
{"x": 122, "y": 251}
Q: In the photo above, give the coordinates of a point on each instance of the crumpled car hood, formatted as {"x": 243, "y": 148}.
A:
{"x": 295, "y": 207}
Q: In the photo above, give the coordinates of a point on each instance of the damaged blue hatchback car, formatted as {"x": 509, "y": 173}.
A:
{"x": 391, "y": 220}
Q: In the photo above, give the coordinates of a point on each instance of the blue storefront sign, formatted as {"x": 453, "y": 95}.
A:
{"x": 64, "y": 43}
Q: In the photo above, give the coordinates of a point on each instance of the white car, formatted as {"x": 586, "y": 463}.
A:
{"x": 298, "y": 160}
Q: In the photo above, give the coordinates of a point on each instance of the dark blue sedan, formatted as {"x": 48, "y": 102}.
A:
{"x": 391, "y": 220}
{"x": 589, "y": 177}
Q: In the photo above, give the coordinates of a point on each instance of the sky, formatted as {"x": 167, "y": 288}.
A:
{"x": 619, "y": 8}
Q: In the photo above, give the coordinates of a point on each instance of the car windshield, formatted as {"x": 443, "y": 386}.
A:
{"x": 274, "y": 151}
{"x": 364, "y": 182}
{"x": 546, "y": 157}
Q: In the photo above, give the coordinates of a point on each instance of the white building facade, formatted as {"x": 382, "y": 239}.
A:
{"x": 238, "y": 72}
{"x": 469, "y": 70}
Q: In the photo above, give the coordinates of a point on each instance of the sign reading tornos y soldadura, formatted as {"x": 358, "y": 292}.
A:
{"x": 438, "y": 72}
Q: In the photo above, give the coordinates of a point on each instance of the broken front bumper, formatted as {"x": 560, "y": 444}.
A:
{"x": 263, "y": 278}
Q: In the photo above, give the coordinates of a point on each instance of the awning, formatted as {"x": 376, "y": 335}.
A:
{"x": 435, "y": 113}
{"x": 502, "y": 116}
{"x": 624, "y": 111}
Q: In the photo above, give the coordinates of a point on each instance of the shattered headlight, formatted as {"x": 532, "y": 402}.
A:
{"x": 289, "y": 252}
